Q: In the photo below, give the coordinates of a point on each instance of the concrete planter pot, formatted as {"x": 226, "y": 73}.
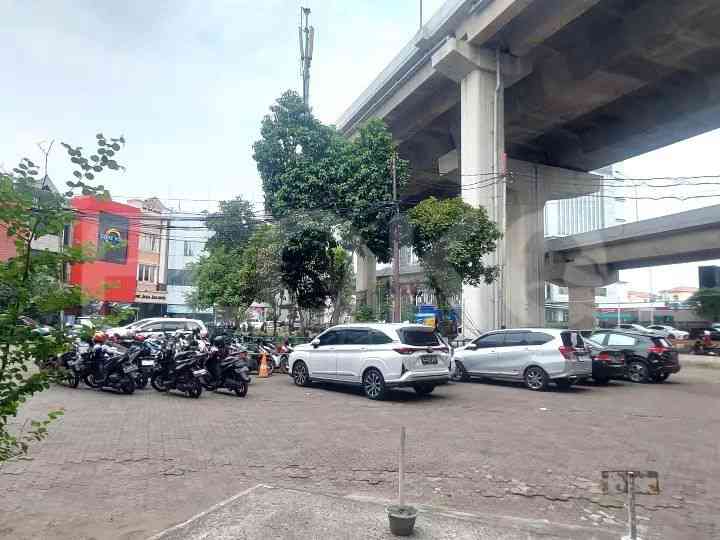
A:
{"x": 402, "y": 519}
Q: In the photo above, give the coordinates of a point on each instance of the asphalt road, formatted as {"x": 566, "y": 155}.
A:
{"x": 130, "y": 466}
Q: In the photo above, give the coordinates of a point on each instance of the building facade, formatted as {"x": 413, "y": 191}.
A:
{"x": 187, "y": 238}
{"x": 111, "y": 230}
{"x": 151, "y": 291}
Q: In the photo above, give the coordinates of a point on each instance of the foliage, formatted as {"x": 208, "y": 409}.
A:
{"x": 364, "y": 313}
{"x": 707, "y": 303}
{"x": 233, "y": 225}
{"x": 306, "y": 260}
{"x": 451, "y": 238}
{"x": 32, "y": 281}
{"x": 306, "y": 167}
{"x": 221, "y": 281}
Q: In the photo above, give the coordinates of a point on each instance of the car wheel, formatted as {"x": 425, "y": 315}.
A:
{"x": 424, "y": 389}
{"x": 460, "y": 373}
{"x": 536, "y": 379}
{"x": 601, "y": 380}
{"x": 563, "y": 384}
{"x": 374, "y": 384}
{"x": 660, "y": 377}
{"x": 300, "y": 374}
{"x": 638, "y": 371}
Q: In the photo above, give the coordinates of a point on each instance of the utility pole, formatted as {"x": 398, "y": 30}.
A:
{"x": 397, "y": 303}
{"x": 307, "y": 40}
{"x": 421, "y": 17}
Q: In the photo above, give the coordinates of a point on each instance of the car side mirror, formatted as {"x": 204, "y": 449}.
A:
{"x": 315, "y": 343}
{"x": 471, "y": 347}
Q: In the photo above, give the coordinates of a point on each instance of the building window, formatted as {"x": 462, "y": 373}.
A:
{"x": 601, "y": 291}
{"x": 188, "y": 249}
{"x": 147, "y": 272}
{"x": 149, "y": 242}
{"x": 179, "y": 277}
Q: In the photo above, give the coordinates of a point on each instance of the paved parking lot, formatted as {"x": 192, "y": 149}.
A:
{"x": 129, "y": 466}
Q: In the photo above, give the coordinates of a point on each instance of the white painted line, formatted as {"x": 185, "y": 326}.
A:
{"x": 214, "y": 507}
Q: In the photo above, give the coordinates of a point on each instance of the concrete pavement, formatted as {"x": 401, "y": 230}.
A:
{"x": 289, "y": 514}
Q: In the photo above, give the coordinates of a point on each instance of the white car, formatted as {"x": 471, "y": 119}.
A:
{"x": 669, "y": 331}
{"x": 535, "y": 356}
{"x": 376, "y": 356}
{"x": 157, "y": 326}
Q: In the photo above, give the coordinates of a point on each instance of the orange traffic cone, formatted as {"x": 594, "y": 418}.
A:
{"x": 263, "y": 371}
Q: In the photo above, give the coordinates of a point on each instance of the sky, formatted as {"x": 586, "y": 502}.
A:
{"x": 187, "y": 84}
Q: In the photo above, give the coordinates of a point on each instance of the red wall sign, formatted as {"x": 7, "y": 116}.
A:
{"x": 111, "y": 230}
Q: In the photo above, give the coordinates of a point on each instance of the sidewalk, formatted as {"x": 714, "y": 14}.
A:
{"x": 267, "y": 512}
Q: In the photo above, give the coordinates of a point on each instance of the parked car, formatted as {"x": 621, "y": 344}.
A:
{"x": 606, "y": 363}
{"x": 36, "y": 327}
{"x": 639, "y": 328}
{"x": 669, "y": 331}
{"x": 376, "y": 356}
{"x": 156, "y": 327}
{"x": 648, "y": 357}
{"x": 535, "y": 356}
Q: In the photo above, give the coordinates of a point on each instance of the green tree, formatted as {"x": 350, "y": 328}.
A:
{"x": 232, "y": 225}
{"x": 706, "y": 303}
{"x": 308, "y": 167}
{"x": 451, "y": 238}
{"x": 32, "y": 281}
{"x": 222, "y": 281}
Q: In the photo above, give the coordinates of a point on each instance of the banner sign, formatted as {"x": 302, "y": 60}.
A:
{"x": 112, "y": 238}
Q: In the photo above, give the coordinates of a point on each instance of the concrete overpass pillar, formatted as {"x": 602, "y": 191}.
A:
{"x": 477, "y": 163}
{"x": 523, "y": 283}
{"x": 581, "y": 306}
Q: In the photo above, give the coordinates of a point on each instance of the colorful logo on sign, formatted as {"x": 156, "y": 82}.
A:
{"x": 113, "y": 237}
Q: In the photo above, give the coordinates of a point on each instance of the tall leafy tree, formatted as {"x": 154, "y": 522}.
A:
{"x": 707, "y": 303}
{"x": 451, "y": 238}
{"x": 308, "y": 166}
{"x": 232, "y": 225}
{"x": 32, "y": 281}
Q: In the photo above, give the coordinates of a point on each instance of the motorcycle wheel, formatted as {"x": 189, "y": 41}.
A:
{"x": 141, "y": 381}
{"x": 127, "y": 385}
{"x": 195, "y": 391}
{"x": 284, "y": 364}
{"x": 91, "y": 381}
{"x": 157, "y": 384}
{"x": 241, "y": 389}
{"x": 72, "y": 378}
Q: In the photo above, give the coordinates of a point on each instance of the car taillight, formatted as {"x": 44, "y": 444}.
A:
{"x": 657, "y": 350}
{"x": 604, "y": 357}
{"x": 404, "y": 350}
{"x": 567, "y": 352}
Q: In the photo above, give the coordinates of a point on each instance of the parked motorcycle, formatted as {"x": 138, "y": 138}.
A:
{"x": 178, "y": 369}
{"x": 226, "y": 369}
{"x": 108, "y": 367}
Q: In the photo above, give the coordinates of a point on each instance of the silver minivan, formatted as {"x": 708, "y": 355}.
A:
{"x": 535, "y": 356}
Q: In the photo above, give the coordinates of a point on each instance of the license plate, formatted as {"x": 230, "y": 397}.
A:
{"x": 129, "y": 369}
{"x": 148, "y": 362}
{"x": 428, "y": 359}
{"x": 200, "y": 372}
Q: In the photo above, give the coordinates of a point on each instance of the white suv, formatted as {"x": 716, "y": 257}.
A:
{"x": 157, "y": 326}
{"x": 534, "y": 356}
{"x": 376, "y": 356}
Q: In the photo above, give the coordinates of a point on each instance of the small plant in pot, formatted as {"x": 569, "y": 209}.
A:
{"x": 401, "y": 516}
{"x": 402, "y": 519}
